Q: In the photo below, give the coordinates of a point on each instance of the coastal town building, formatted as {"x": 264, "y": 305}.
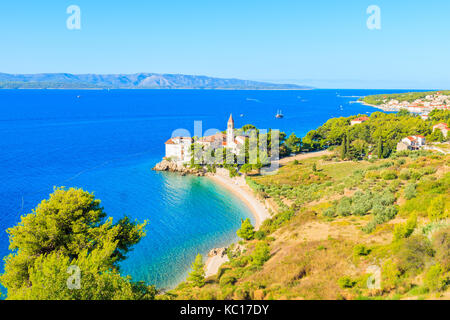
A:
{"x": 443, "y": 127}
{"x": 359, "y": 120}
{"x": 430, "y": 102}
{"x": 411, "y": 143}
{"x": 178, "y": 149}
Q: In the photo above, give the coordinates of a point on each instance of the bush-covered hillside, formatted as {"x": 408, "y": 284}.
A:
{"x": 343, "y": 230}
{"x": 379, "y": 135}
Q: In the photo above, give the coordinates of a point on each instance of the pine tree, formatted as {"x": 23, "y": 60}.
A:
{"x": 197, "y": 274}
{"x": 344, "y": 147}
{"x": 380, "y": 148}
{"x": 247, "y": 231}
{"x": 347, "y": 146}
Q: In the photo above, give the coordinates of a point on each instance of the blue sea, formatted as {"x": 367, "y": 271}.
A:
{"x": 106, "y": 142}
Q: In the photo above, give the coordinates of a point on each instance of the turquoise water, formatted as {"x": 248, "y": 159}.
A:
{"x": 107, "y": 142}
{"x": 186, "y": 216}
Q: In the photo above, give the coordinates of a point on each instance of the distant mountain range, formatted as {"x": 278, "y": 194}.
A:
{"x": 132, "y": 81}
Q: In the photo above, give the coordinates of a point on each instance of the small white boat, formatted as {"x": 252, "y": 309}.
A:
{"x": 279, "y": 115}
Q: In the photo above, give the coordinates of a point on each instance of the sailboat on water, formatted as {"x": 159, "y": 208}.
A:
{"x": 279, "y": 115}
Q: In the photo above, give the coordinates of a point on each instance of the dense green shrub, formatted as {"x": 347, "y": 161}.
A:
{"x": 435, "y": 280}
{"x": 261, "y": 253}
{"x": 437, "y": 209}
{"x": 414, "y": 253}
{"x": 416, "y": 175}
{"x": 344, "y": 207}
{"x": 372, "y": 175}
{"x": 441, "y": 243}
{"x": 388, "y": 175}
{"x": 405, "y": 174}
{"x": 227, "y": 279}
{"x": 346, "y": 282}
{"x": 247, "y": 231}
{"x": 361, "y": 250}
{"x": 260, "y": 235}
{"x": 361, "y": 203}
{"x": 382, "y": 209}
{"x": 402, "y": 231}
{"x": 410, "y": 191}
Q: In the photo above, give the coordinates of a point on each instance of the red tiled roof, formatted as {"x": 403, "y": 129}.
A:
{"x": 216, "y": 137}
{"x": 441, "y": 125}
{"x": 170, "y": 141}
{"x": 361, "y": 119}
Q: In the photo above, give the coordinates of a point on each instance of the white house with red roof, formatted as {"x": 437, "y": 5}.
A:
{"x": 443, "y": 127}
{"x": 179, "y": 149}
{"x": 359, "y": 120}
{"x": 412, "y": 143}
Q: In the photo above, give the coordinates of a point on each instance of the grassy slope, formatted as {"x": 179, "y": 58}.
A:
{"x": 313, "y": 256}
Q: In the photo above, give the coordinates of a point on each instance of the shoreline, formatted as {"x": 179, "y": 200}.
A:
{"x": 385, "y": 109}
{"x": 239, "y": 188}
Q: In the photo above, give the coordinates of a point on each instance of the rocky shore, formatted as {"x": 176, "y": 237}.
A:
{"x": 172, "y": 166}
{"x": 217, "y": 252}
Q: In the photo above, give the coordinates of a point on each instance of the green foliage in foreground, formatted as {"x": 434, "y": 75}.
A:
{"x": 66, "y": 236}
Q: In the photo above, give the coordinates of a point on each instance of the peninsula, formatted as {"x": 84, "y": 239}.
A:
{"x": 416, "y": 102}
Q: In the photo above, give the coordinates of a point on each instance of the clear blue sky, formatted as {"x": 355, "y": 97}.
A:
{"x": 324, "y": 43}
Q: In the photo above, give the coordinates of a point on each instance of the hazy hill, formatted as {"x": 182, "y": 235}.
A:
{"x": 132, "y": 81}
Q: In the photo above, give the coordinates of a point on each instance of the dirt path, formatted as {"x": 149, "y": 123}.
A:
{"x": 304, "y": 156}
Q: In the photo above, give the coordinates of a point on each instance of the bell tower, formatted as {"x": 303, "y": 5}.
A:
{"x": 230, "y": 132}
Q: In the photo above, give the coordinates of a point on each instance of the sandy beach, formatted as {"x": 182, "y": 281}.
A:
{"x": 240, "y": 189}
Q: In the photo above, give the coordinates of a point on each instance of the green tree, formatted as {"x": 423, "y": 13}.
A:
{"x": 380, "y": 148}
{"x": 347, "y": 146}
{"x": 197, "y": 275}
{"x": 344, "y": 147}
{"x": 435, "y": 280}
{"x": 247, "y": 231}
{"x": 402, "y": 231}
{"x": 436, "y": 136}
{"x": 246, "y": 168}
{"x": 437, "y": 209}
{"x": 261, "y": 253}
{"x": 71, "y": 229}
{"x": 293, "y": 143}
{"x": 410, "y": 191}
